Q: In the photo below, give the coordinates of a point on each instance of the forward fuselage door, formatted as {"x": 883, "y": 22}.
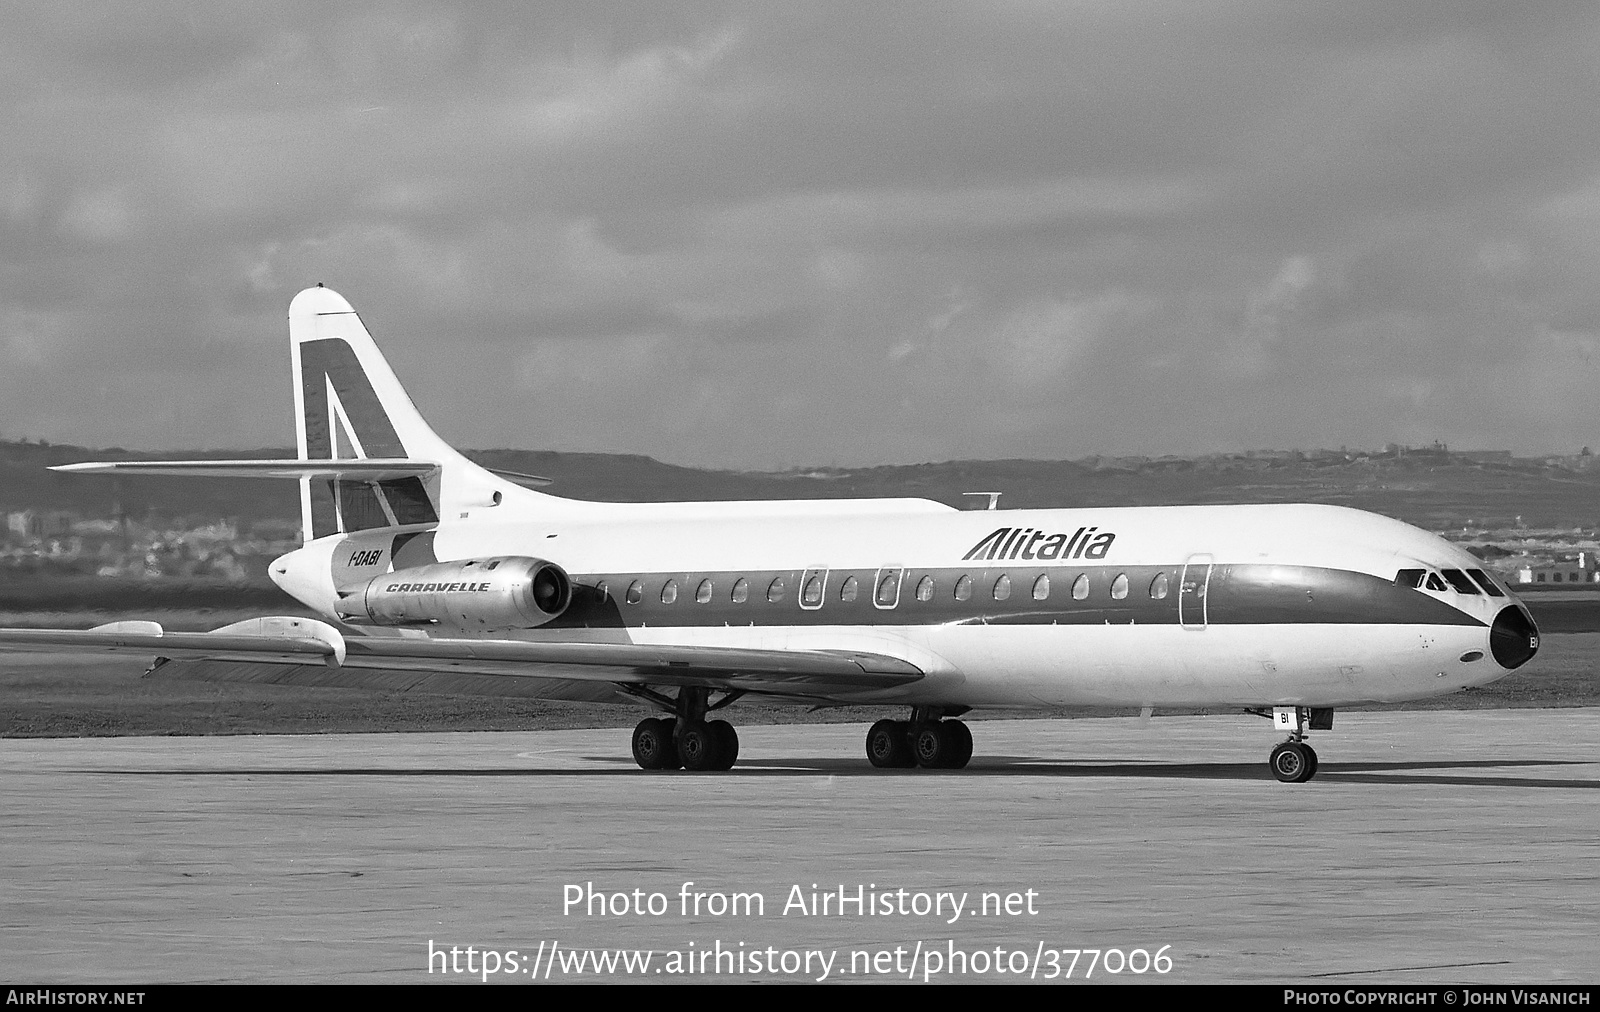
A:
{"x": 1192, "y": 588}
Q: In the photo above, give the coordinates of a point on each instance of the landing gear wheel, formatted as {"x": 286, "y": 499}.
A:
{"x": 727, "y": 740}
{"x": 887, "y": 747}
{"x": 942, "y": 745}
{"x": 961, "y": 736}
{"x": 700, "y": 747}
{"x": 1293, "y": 762}
{"x": 653, "y": 748}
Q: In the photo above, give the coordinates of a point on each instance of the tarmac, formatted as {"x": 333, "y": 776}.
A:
{"x": 1448, "y": 847}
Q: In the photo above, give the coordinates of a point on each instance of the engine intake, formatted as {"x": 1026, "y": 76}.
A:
{"x": 505, "y": 592}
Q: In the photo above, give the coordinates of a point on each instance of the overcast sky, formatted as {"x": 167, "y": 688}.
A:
{"x": 772, "y": 235}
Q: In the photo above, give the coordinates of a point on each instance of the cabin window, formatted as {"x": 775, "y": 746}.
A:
{"x": 669, "y": 592}
{"x": 635, "y": 592}
{"x": 775, "y": 590}
{"x": 702, "y": 593}
{"x": 1159, "y": 587}
{"x": 1119, "y": 587}
{"x": 964, "y": 588}
{"x": 925, "y": 589}
{"x": 1041, "y": 587}
{"x": 1002, "y": 588}
{"x": 847, "y": 589}
{"x": 602, "y": 594}
{"x": 1080, "y": 587}
{"x": 1487, "y": 584}
{"x": 741, "y": 590}
{"x": 811, "y": 594}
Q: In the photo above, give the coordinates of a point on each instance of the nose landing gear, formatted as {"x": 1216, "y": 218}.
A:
{"x": 1293, "y": 761}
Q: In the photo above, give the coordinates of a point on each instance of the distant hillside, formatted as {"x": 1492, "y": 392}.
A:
{"x": 1434, "y": 489}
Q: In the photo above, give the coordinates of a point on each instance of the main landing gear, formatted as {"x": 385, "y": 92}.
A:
{"x": 924, "y": 740}
{"x": 1293, "y": 761}
{"x": 687, "y": 740}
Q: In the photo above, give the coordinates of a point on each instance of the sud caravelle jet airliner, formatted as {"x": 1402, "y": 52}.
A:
{"x": 423, "y": 564}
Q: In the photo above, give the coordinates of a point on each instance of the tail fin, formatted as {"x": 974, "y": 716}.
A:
{"x": 350, "y": 406}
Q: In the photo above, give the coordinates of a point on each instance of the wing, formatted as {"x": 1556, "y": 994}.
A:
{"x": 807, "y": 674}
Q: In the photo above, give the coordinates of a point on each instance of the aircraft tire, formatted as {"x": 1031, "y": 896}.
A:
{"x": 887, "y": 747}
{"x": 727, "y": 743}
{"x": 1293, "y": 762}
{"x": 961, "y": 736}
{"x": 653, "y": 747}
{"x": 699, "y": 746}
{"x": 934, "y": 745}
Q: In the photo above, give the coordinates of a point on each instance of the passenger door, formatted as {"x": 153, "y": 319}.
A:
{"x": 1192, "y": 586}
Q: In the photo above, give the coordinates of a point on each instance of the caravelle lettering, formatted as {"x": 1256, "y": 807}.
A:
{"x": 434, "y": 588}
{"x": 1029, "y": 543}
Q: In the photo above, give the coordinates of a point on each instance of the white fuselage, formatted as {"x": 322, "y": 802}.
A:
{"x": 1257, "y": 606}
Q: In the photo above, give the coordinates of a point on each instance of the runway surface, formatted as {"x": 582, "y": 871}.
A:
{"x": 1443, "y": 846}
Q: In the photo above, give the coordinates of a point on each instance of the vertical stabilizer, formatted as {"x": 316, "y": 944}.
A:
{"x": 350, "y": 406}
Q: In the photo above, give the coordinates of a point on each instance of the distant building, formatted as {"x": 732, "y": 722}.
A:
{"x": 1581, "y": 569}
{"x": 37, "y": 525}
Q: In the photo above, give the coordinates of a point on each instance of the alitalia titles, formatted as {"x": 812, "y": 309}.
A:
{"x": 1031, "y": 543}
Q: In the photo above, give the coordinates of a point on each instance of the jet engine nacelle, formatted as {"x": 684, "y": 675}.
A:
{"x": 508, "y": 592}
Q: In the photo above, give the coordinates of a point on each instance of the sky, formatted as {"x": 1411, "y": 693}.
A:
{"x": 773, "y": 235}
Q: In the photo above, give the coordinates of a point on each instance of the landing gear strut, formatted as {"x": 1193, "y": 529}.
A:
{"x": 688, "y": 739}
{"x": 925, "y": 740}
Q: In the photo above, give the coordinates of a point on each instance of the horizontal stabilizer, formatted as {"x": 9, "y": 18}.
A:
{"x": 364, "y": 469}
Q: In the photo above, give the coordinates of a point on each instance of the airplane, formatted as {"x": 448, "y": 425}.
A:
{"x": 424, "y": 566}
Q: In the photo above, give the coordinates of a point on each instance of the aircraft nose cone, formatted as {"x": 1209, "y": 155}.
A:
{"x": 1513, "y": 639}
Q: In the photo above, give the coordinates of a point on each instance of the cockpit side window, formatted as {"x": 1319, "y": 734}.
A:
{"x": 1434, "y": 583}
{"x": 1487, "y": 584}
{"x": 1410, "y": 578}
{"x": 1459, "y": 581}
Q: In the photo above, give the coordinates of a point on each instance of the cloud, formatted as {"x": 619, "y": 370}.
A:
{"x": 745, "y": 235}
{"x": 101, "y": 216}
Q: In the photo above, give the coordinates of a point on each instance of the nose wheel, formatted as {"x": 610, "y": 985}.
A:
{"x": 1293, "y": 762}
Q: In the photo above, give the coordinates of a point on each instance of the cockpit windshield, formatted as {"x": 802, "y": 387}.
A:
{"x": 1488, "y": 585}
{"x": 1419, "y": 579}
